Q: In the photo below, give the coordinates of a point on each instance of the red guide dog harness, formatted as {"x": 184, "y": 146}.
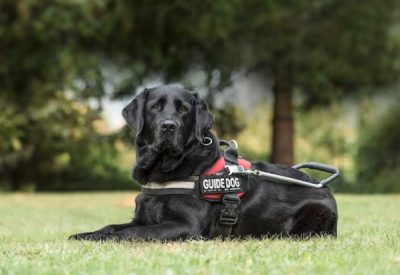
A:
{"x": 218, "y": 167}
{"x": 210, "y": 186}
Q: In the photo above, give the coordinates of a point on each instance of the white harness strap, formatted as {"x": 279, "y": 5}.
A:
{"x": 170, "y": 185}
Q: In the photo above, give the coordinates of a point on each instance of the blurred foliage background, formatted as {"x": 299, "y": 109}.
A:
{"x": 292, "y": 81}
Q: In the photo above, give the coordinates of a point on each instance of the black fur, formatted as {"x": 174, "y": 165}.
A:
{"x": 171, "y": 124}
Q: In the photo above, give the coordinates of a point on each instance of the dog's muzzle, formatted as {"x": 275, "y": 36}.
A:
{"x": 169, "y": 137}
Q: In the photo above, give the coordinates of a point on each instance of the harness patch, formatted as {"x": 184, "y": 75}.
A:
{"x": 222, "y": 184}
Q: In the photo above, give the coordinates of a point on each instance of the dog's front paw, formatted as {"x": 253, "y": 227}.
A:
{"x": 89, "y": 237}
{"x": 80, "y": 236}
{"x": 107, "y": 230}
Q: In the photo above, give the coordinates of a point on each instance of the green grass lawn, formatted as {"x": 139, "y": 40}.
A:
{"x": 34, "y": 231}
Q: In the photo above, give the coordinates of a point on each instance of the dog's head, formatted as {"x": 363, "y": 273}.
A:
{"x": 168, "y": 118}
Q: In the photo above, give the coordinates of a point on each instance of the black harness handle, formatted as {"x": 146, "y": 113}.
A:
{"x": 230, "y": 153}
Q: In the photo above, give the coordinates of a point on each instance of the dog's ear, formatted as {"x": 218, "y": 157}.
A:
{"x": 204, "y": 120}
{"x": 133, "y": 113}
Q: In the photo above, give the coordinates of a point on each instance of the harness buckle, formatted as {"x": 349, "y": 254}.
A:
{"x": 230, "y": 209}
{"x": 234, "y": 169}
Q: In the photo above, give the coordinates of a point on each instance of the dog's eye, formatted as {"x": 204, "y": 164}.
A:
{"x": 155, "y": 106}
{"x": 182, "y": 109}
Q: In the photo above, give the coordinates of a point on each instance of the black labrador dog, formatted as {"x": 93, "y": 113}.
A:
{"x": 171, "y": 125}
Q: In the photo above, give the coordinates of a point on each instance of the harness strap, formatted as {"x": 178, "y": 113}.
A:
{"x": 187, "y": 186}
{"x": 228, "y": 216}
{"x": 229, "y": 212}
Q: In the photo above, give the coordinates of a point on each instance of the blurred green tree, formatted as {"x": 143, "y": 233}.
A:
{"x": 324, "y": 50}
{"x": 50, "y": 94}
{"x": 167, "y": 39}
{"x": 378, "y": 155}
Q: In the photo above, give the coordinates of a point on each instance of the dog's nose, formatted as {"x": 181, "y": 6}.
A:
{"x": 168, "y": 125}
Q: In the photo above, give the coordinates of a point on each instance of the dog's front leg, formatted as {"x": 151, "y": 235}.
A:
{"x": 101, "y": 233}
{"x": 168, "y": 231}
